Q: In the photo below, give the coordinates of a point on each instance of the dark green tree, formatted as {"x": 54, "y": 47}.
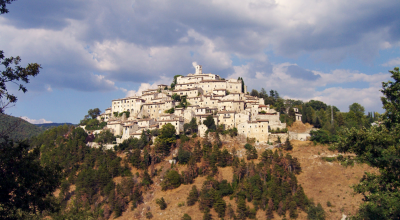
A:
{"x": 25, "y": 186}
{"x": 146, "y": 179}
{"x": 93, "y": 113}
{"x": 390, "y": 99}
{"x": 288, "y": 146}
{"x": 166, "y": 138}
{"x": 379, "y": 147}
{"x": 315, "y": 212}
{"x": 193, "y": 196}
{"x": 210, "y": 123}
{"x": 171, "y": 180}
{"x": 207, "y": 215}
{"x": 13, "y": 73}
{"x": 220, "y": 207}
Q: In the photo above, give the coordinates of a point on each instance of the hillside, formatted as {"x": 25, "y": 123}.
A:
{"x": 322, "y": 181}
{"x": 16, "y": 128}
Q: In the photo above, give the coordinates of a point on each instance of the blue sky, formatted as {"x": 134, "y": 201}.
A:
{"x": 91, "y": 52}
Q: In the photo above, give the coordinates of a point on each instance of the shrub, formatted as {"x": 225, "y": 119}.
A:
{"x": 186, "y": 217}
{"x": 149, "y": 215}
{"x": 161, "y": 202}
{"x": 329, "y": 204}
{"x": 170, "y": 111}
{"x": 171, "y": 180}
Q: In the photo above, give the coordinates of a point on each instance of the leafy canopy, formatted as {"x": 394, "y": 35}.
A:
{"x": 379, "y": 146}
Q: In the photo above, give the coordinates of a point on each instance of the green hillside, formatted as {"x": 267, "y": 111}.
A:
{"x": 18, "y": 129}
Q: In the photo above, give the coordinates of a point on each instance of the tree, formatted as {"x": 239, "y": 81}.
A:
{"x": 193, "y": 196}
{"x": 220, "y": 207}
{"x": 210, "y": 123}
{"x": 254, "y": 93}
{"x": 270, "y": 209}
{"x": 93, "y": 113}
{"x": 380, "y": 148}
{"x": 146, "y": 180}
{"x": 25, "y": 186}
{"x": 288, "y": 146}
{"x": 315, "y": 212}
{"x": 166, "y": 138}
{"x": 12, "y": 74}
{"x": 105, "y": 137}
{"x": 390, "y": 100}
{"x": 171, "y": 180}
{"x": 317, "y": 105}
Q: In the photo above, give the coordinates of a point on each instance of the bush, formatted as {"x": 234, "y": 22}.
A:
{"x": 161, "y": 202}
{"x": 323, "y": 137}
{"x": 149, "y": 215}
{"x": 170, "y": 111}
{"x": 171, "y": 180}
{"x": 186, "y": 217}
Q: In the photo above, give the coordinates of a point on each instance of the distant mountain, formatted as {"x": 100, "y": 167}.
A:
{"x": 17, "y": 128}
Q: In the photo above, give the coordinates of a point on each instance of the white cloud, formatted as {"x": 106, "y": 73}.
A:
{"x": 36, "y": 121}
{"x": 146, "y": 86}
{"x": 393, "y": 62}
{"x": 344, "y": 97}
{"x": 324, "y": 88}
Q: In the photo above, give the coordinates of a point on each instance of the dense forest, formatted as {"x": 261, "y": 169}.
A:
{"x": 20, "y": 129}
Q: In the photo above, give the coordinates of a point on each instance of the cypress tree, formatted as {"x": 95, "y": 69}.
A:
{"x": 220, "y": 207}
{"x": 292, "y": 209}
{"x": 270, "y": 209}
{"x": 230, "y": 213}
{"x": 288, "y": 146}
{"x": 207, "y": 215}
{"x": 146, "y": 180}
{"x": 241, "y": 208}
{"x": 193, "y": 196}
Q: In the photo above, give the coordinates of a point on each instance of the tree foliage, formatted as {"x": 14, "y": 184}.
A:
{"x": 379, "y": 147}
{"x": 25, "y": 185}
{"x": 13, "y": 73}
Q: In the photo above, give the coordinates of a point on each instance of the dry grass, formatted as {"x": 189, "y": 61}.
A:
{"x": 299, "y": 127}
{"x": 328, "y": 181}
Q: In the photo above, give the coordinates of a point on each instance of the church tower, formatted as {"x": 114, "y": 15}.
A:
{"x": 198, "y": 69}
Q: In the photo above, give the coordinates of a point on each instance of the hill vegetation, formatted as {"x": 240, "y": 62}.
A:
{"x": 17, "y": 129}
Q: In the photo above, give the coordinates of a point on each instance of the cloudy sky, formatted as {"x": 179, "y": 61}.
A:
{"x": 91, "y": 52}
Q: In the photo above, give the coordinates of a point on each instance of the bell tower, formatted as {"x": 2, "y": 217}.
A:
{"x": 199, "y": 69}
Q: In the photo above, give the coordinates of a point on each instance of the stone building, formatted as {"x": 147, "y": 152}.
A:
{"x": 207, "y": 94}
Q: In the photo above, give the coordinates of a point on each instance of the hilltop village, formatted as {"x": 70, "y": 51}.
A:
{"x": 198, "y": 96}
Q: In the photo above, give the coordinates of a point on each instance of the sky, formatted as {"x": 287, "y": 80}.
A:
{"x": 94, "y": 51}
